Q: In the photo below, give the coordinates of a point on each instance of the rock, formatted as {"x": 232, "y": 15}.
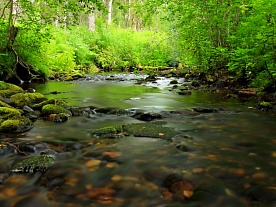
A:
{"x": 52, "y": 109}
{"x": 6, "y": 102}
{"x": 195, "y": 84}
{"x": 205, "y": 110}
{"x": 107, "y": 132}
{"x": 265, "y": 106}
{"x": 16, "y": 124}
{"x": 7, "y": 89}
{"x": 22, "y": 99}
{"x": 173, "y": 82}
{"x": 7, "y": 112}
{"x": 33, "y": 164}
{"x": 61, "y": 117}
{"x": 27, "y": 109}
{"x": 147, "y": 116}
{"x": 184, "y": 93}
{"x": 76, "y": 111}
{"x": 150, "y": 129}
{"x": 50, "y": 101}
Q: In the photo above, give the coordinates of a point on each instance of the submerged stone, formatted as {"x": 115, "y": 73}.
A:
{"x": 33, "y": 164}
{"x": 107, "y": 132}
{"x": 149, "y": 129}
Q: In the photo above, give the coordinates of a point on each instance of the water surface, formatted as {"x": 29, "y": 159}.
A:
{"x": 228, "y": 157}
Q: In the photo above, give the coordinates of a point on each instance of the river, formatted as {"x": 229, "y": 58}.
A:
{"x": 219, "y": 159}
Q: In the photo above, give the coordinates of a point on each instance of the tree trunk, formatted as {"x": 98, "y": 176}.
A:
{"x": 109, "y": 16}
{"x": 91, "y": 21}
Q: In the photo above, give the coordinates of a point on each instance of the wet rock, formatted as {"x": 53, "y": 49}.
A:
{"x": 6, "y": 102}
{"x": 261, "y": 194}
{"x": 173, "y": 82}
{"x": 76, "y": 111}
{"x": 195, "y": 84}
{"x": 227, "y": 96}
{"x": 34, "y": 200}
{"x": 123, "y": 112}
{"x": 150, "y": 129}
{"x": 205, "y": 110}
{"x": 33, "y": 164}
{"x": 104, "y": 110}
{"x": 147, "y": 116}
{"x": 184, "y": 92}
{"x": 27, "y": 109}
{"x": 7, "y": 149}
{"x": 107, "y": 132}
{"x": 265, "y": 106}
{"x": 177, "y": 188}
{"x": 61, "y": 117}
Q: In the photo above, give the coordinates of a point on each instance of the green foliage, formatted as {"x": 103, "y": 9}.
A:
{"x": 122, "y": 49}
{"x": 236, "y": 35}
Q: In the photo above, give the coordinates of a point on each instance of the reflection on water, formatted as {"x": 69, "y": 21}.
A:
{"x": 219, "y": 159}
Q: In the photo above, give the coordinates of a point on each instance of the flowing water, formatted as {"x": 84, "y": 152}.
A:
{"x": 220, "y": 159}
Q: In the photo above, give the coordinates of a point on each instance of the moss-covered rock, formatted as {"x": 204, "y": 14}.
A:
{"x": 150, "y": 129}
{"x": 22, "y": 99}
{"x": 107, "y": 132}
{"x": 16, "y": 124}
{"x": 6, "y": 112}
{"x": 265, "y": 106}
{"x": 7, "y": 89}
{"x": 33, "y": 164}
{"x": 52, "y": 109}
{"x": 3, "y": 104}
{"x": 61, "y": 117}
{"x": 50, "y": 101}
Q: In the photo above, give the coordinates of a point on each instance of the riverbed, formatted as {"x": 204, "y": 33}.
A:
{"x": 223, "y": 156}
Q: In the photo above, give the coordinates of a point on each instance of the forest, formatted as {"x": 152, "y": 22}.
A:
{"x": 41, "y": 38}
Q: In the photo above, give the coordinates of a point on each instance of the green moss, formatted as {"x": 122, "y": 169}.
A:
{"x": 61, "y": 117}
{"x": 151, "y": 129}
{"x": 3, "y": 85}
{"x": 3, "y": 104}
{"x": 50, "y": 101}
{"x": 52, "y": 109}
{"x": 22, "y": 99}
{"x": 265, "y": 104}
{"x": 7, "y": 89}
{"x": 107, "y": 132}
{"x": 16, "y": 124}
{"x": 6, "y": 112}
{"x": 33, "y": 164}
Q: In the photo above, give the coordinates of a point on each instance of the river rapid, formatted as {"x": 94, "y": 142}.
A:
{"x": 222, "y": 157}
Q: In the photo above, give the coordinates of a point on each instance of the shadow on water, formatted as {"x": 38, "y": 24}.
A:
{"x": 224, "y": 158}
